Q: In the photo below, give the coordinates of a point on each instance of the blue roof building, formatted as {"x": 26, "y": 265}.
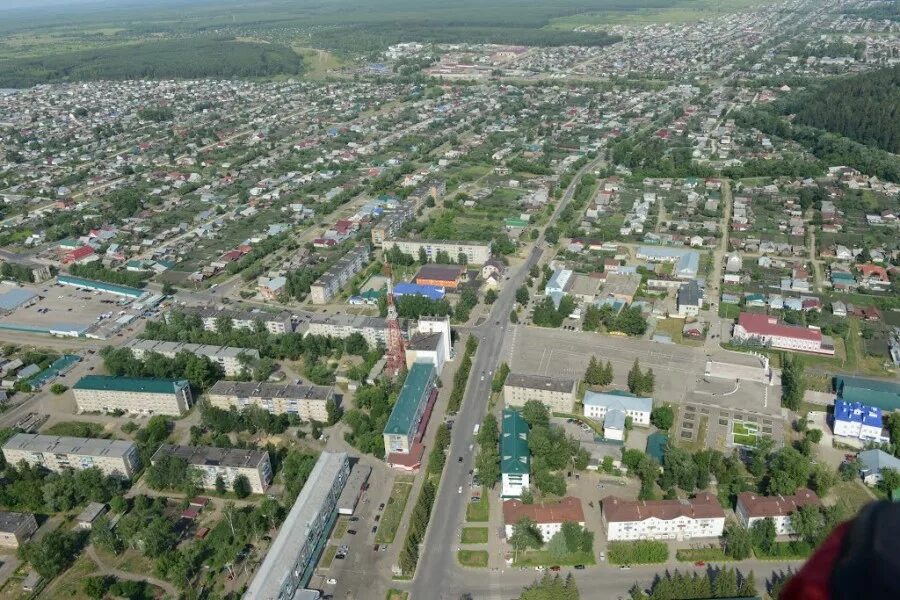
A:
{"x": 856, "y": 420}
{"x": 432, "y": 292}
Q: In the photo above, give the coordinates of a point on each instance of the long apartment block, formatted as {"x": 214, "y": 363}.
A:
{"x": 308, "y": 402}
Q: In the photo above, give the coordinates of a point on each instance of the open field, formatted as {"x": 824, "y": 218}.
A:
{"x": 681, "y": 12}
{"x": 852, "y": 494}
{"x": 393, "y": 512}
{"x": 317, "y": 62}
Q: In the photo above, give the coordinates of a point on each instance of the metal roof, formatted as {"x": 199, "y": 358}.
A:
{"x": 514, "y": 454}
{"x": 53, "y": 444}
{"x": 618, "y": 400}
{"x": 146, "y": 385}
{"x": 414, "y": 392}
{"x": 14, "y": 298}
{"x": 540, "y": 382}
{"x": 213, "y": 456}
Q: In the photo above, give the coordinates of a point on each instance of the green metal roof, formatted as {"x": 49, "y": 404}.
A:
{"x": 879, "y": 393}
{"x": 514, "y": 455}
{"x": 122, "y": 290}
{"x": 415, "y": 391}
{"x": 130, "y": 384}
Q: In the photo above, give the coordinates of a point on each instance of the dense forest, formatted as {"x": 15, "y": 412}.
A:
{"x": 190, "y": 58}
{"x": 865, "y": 108}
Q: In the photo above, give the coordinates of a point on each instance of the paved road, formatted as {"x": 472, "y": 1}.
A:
{"x": 436, "y": 568}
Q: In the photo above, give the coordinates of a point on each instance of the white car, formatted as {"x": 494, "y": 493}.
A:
{"x": 459, "y": 491}
{"x": 331, "y": 581}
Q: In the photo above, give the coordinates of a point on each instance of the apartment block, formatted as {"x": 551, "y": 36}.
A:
{"x": 306, "y": 401}
{"x": 752, "y": 507}
{"x": 557, "y": 394}
{"x": 699, "y": 517}
{"x": 229, "y": 358}
{"x": 476, "y": 253}
{"x": 56, "y": 453}
{"x": 408, "y": 411}
{"x": 373, "y": 329}
{"x": 212, "y": 462}
{"x": 331, "y": 281}
{"x": 547, "y": 516}
{"x": 289, "y": 564}
{"x": 275, "y": 323}
{"x": 136, "y": 395}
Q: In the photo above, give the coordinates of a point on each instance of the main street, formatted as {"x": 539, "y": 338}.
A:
{"x": 437, "y": 565}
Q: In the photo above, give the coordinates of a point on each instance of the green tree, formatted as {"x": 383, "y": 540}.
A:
{"x": 96, "y": 587}
{"x": 334, "y": 411}
{"x": 220, "y": 484}
{"x": 52, "y": 554}
{"x": 814, "y": 435}
{"x": 738, "y": 544}
{"x": 663, "y": 417}
{"x": 808, "y": 523}
{"x": 522, "y": 295}
{"x": 635, "y": 378}
{"x": 490, "y": 297}
{"x": 793, "y": 381}
{"x": 241, "y": 486}
{"x": 513, "y": 317}
{"x": 525, "y": 535}
{"x": 57, "y": 388}
{"x": 104, "y": 537}
{"x": 763, "y": 533}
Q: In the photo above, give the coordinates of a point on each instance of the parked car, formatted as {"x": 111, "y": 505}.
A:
{"x": 374, "y": 528}
{"x": 351, "y": 531}
{"x": 579, "y": 567}
{"x": 331, "y": 581}
{"x": 699, "y": 563}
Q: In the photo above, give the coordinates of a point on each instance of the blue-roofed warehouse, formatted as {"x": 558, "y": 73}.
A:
{"x": 15, "y": 298}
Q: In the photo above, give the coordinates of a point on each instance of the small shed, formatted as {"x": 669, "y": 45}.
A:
{"x": 31, "y": 581}
{"x": 91, "y": 513}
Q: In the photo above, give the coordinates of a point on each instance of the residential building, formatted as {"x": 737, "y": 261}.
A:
{"x": 329, "y": 284}
{"x": 880, "y": 393}
{"x": 687, "y": 262}
{"x": 136, "y": 395}
{"x": 872, "y": 462}
{"x": 437, "y": 325}
{"x": 289, "y": 564}
{"x": 276, "y": 323}
{"x": 228, "y": 463}
{"x": 751, "y": 507}
{"x": 441, "y": 276}
{"x": 408, "y": 411}
{"x": 309, "y": 402}
{"x": 614, "y": 407}
{"x": 699, "y": 517}
{"x": 476, "y": 253}
{"x": 390, "y": 225}
{"x": 770, "y": 331}
{"x": 16, "y": 528}
{"x": 232, "y": 360}
{"x": 547, "y": 516}
{"x": 270, "y": 288}
{"x": 557, "y": 394}
{"x": 57, "y": 453}
{"x": 373, "y": 329}
{"x": 515, "y": 458}
{"x": 558, "y": 282}
{"x": 690, "y": 299}
{"x": 856, "y": 420}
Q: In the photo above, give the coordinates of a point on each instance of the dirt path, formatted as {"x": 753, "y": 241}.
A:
{"x": 170, "y": 589}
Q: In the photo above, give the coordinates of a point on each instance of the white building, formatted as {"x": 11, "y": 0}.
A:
{"x": 856, "y": 420}
{"x": 309, "y": 402}
{"x": 614, "y": 407}
{"x": 548, "y": 516}
{"x": 768, "y": 331}
{"x": 699, "y": 517}
{"x": 752, "y": 507}
{"x": 55, "y": 453}
{"x": 557, "y": 394}
{"x": 229, "y": 358}
{"x": 476, "y": 253}
{"x": 273, "y": 322}
{"x": 430, "y": 343}
{"x": 136, "y": 395}
{"x": 690, "y": 299}
{"x": 229, "y": 463}
{"x": 373, "y": 329}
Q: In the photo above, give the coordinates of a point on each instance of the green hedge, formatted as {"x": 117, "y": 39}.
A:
{"x": 639, "y": 552}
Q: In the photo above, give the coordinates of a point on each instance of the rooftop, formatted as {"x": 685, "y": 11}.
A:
{"x": 764, "y": 325}
{"x": 514, "y": 454}
{"x": 618, "y": 400}
{"x": 857, "y": 412}
{"x": 212, "y": 456}
{"x": 11, "y": 521}
{"x": 567, "y": 509}
{"x": 276, "y": 567}
{"x": 776, "y": 506}
{"x": 31, "y": 442}
{"x": 540, "y": 382}
{"x": 415, "y": 391}
{"x": 703, "y": 506}
{"x": 130, "y": 384}
{"x": 261, "y": 389}
{"x": 440, "y": 272}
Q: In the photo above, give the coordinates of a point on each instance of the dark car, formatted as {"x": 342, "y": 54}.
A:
{"x": 375, "y": 548}
{"x": 374, "y": 529}
{"x": 579, "y": 567}
{"x": 340, "y": 556}
{"x": 377, "y": 518}
{"x": 351, "y": 531}
{"x": 459, "y": 459}
{"x": 381, "y": 506}
{"x": 354, "y": 519}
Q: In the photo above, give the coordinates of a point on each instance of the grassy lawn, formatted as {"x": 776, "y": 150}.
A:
{"x": 390, "y": 520}
{"x": 478, "y": 512}
{"x": 729, "y": 311}
{"x": 641, "y": 552}
{"x": 317, "y": 62}
{"x": 542, "y": 558}
{"x": 474, "y": 535}
{"x": 852, "y": 494}
{"x": 393, "y": 594}
{"x": 744, "y": 433}
{"x": 327, "y": 557}
{"x": 472, "y": 558}
{"x": 340, "y": 528}
{"x": 70, "y": 583}
{"x": 705, "y": 554}
{"x": 77, "y": 429}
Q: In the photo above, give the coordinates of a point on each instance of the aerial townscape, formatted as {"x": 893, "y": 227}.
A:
{"x": 446, "y": 300}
